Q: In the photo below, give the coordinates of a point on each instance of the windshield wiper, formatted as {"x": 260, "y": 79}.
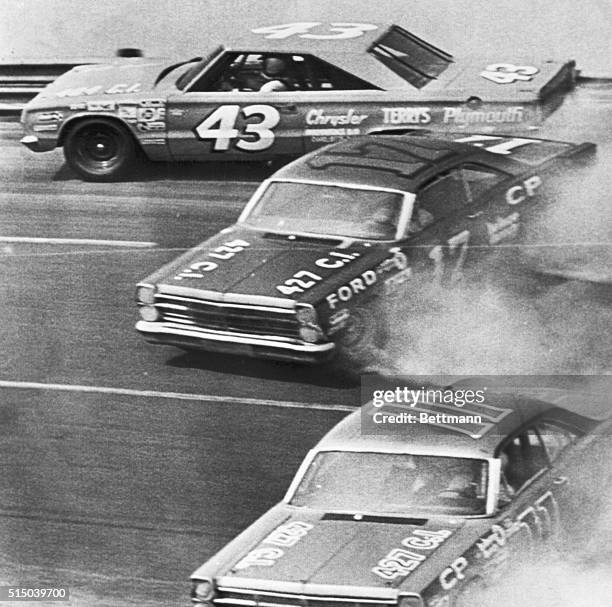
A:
{"x": 172, "y": 67}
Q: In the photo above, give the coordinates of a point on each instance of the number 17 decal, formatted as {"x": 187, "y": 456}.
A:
{"x": 457, "y": 249}
{"x": 220, "y": 126}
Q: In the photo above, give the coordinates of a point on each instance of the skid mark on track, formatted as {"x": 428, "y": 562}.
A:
{"x": 205, "y": 398}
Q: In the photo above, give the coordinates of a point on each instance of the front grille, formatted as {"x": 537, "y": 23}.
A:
{"x": 230, "y": 597}
{"x": 233, "y": 318}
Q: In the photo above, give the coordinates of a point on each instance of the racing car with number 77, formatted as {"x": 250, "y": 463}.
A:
{"x": 332, "y": 243}
{"x": 281, "y": 91}
{"x": 429, "y": 511}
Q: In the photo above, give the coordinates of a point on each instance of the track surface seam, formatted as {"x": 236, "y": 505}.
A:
{"x": 207, "y": 398}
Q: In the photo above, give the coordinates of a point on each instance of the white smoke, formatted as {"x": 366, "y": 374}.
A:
{"x": 577, "y": 570}
{"x": 480, "y": 329}
{"x": 545, "y": 307}
{"x": 573, "y": 237}
{"x": 557, "y": 581}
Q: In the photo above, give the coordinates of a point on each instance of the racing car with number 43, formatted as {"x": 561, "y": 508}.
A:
{"x": 280, "y": 92}
{"x": 334, "y": 240}
{"x": 424, "y": 513}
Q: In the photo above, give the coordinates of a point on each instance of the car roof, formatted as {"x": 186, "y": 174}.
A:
{"x": 506, "y": 416}
{"x": 349, "y": 54}
{"x": 399, "y": 162}
{"x": 296, "y": 43}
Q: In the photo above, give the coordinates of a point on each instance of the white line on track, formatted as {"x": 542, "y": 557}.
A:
{"x": 134, "y": 244}
{"x": 205, "y": 398}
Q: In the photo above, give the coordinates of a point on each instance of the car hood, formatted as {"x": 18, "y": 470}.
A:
{"x": 265, "y": 263}
{"x": 105, "y": 81}
{"x": 313, "y": 549}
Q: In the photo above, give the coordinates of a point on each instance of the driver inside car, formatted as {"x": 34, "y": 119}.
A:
{"x": 275, "y": 74}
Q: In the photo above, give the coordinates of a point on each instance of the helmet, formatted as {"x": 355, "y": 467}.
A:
{"x": 274, "y": 66}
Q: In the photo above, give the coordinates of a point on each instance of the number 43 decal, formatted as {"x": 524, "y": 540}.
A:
{"x": 220, "y": 126}
{"x": 507, "y": 73}
{"x": 338, "y": 31}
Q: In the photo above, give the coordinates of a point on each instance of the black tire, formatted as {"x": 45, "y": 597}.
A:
{"x": 99, "y": 149}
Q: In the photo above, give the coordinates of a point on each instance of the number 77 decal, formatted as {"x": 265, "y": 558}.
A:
{"x": 220, "y": 126}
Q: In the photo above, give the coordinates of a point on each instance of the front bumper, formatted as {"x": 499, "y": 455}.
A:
{"x": 276, "y": 348}
{"x": 32, "y": 142}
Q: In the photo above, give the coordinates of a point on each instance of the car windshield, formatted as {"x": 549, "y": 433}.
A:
{"x": 186, "y": 77}
{"x": 327, "y": 209}
{"x": 394, "y": 483}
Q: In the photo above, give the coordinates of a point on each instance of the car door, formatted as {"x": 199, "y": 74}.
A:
{"x": 489, "y": 222}
{"x": 330, "y": 116}
{"x": 579, "y": 469}
{"x": 334, "y": 104}
{"x": 533, "y": 515}
{"x": 518, "y": 198}
{"x": 439, "y": 232}
{"x": 219, "y": 116}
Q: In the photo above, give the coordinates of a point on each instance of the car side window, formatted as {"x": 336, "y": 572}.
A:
{"x": 479, "y": 180}
{"x": 220, "y": 76}
{"x": 249, "y": 72}
{"x": 524, "y": 458}
{"x": 322, "y": 76}
{"x": 555, "y": 438}
{"x": 420, "y": 219}
{"x": 443, "y": 195}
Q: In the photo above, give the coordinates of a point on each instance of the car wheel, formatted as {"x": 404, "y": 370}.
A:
{"x": 99, "y": 149}
{"x": 366, "y": 333}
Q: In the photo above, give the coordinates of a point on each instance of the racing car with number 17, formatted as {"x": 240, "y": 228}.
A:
{"x": 334, "y": 242}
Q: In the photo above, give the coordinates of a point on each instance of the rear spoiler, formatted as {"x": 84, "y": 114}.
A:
{"x": 564, "y": 80}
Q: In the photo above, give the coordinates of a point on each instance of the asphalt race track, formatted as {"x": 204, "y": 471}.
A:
{"x": 119, "y": 497}
{"x": 168, "y": 480}
{"x": 124, "y": 465}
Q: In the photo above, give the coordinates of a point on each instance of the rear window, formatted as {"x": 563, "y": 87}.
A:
{"x": 536, "y": 154}
{"x": 528, "y": 151}
{"x": 411, "y": 58}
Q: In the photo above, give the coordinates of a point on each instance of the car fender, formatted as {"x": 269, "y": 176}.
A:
{"x": 71, "y": 121}
{"x": 159, "y": 151}
{"x": 370, "y": 289}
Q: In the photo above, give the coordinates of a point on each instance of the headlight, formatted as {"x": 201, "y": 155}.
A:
{"x": 308, "y": 320}
{"x": 202, "y": 591}
{"x": 409, "y": 601}
{"x": 148, "y": 313}
{"x": 306, "y": 315}
{"x": 145, "y": 294}
{"x": 310, "y": 334}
